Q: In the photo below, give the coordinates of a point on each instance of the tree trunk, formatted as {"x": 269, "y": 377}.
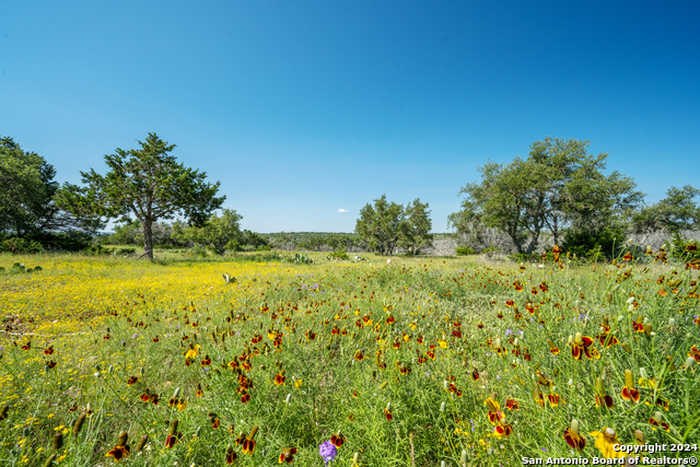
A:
{"x": 555, "y": 230}
{"x": 148, "y": 238}
{"x": 533, "y": 242}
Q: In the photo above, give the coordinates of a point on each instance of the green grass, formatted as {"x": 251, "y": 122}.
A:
{"x": 451, "y": 321}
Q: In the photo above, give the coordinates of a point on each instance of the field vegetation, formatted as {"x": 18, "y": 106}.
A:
{"x": 253, "y": 359}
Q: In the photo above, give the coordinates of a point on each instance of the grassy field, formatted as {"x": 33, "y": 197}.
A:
{"x": 408, "y": 362}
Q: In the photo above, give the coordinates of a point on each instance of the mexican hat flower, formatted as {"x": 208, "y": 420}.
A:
{"x": 583, "y": 345}
{"x": 572, "y": 436}
{"x": 629, "y": 393}
{"x": 604, "y": 442}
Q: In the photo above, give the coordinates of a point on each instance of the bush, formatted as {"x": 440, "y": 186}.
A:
{"x": 197, "y": 251}
{"x": 607, "y": 243}
{"x": 490, "y": 251}
{"x": 125, "y": 251}
{"x": 97, "y": 250}
{"x": 64, "y": 241}
{"x": 232, "y": 245}
{"x": 465, "y": 250}
{"x": 17, "y": 245}
{"x": 526, "y": 257}
{"x": 338, "y": 254}
{"x": 19, "y": 268}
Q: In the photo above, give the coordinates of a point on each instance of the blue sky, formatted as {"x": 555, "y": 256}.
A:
{"x": 304, "y": 108}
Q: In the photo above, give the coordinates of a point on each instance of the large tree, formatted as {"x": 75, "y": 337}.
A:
{"x": 146, "y": 183}
{"x": 414, "y": 231}
{"x": 27, "y": 190}
{"x": 505, "y": 199}
{"x": 678, "y": 211}
{"x": 559, "y": 186}
{"x": 378, "y": 225}
{"x": 220, "y": 233}
{"x": 384, "y": 226}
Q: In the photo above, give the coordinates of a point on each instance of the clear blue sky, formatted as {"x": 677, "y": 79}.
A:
{"x": 302, "y": 108}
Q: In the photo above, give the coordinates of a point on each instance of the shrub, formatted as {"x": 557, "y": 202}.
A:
{"x": 607, "y": 242}
{"x": 125, "y": 251}
{"x": 526, "y": 257}
{"x": 465, "y": 250}
{"x": 339, "y": 254}
{"x": 64, "y": 241}
{"x": 97, "y": 250}
{"x": 18, "y": 245}
{"x": 19, "y": 268}
{"x": 197, "y": 251}
{"x": 490, "y": 251}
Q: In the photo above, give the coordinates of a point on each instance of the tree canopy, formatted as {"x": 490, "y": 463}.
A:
{"x": 148, "y": 184}
{"x": 678, "y": 211}
{"x": 385, "y": 225}
{"x": 558, "y": 186}
{"x": 219, "y": 233}
{"x": 27, "y": 191}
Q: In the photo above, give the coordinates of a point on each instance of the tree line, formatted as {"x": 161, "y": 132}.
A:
{"x": 559, "y": 191}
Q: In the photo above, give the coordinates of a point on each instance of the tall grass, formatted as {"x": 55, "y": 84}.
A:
{"x": 414, "y": 362}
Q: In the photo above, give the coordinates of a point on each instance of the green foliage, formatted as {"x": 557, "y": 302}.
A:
{"x": 147, "y": 184}
{"x": 300, "y": 259}
{"x": 18, "y": 245}
{"x": 414, "y": 230}
{"x": 20, "y": 268}
{"x": 378, "y": 225}
{"x": 27, "y": 188}
{"x": 606, "y": 243}
{"x": 253, "y": 241}
{"x": 465, "y": 250}
{"x": 99, "y": 250}
{"x": 683, "y": 249}
{"x": 220, "y": 233}
{"x": 385, "y": 226}
{"x": 27, "y": 191}
{"x": 314, "y": 241}
{"x": 490, "y": 251}
{"x": 338, "y": 255}
{"x": 128, "y": 233}
{"x": 558, "y": 186}
{"x": 261, "y": 257}
{"x": 111, "y": 345}
{"x": 69, "y": 240}
{"x": 678, "y": 211}
{"x": 525, "y": 257}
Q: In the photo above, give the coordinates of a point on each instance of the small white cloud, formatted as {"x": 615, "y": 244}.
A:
{"x": 341, "y": 210}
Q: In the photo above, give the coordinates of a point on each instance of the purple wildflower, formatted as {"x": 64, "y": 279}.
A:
{"x": 327, "y": 451}
{"x": 509, "y": 332}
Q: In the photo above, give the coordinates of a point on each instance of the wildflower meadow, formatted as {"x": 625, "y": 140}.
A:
{"x": 400, "y": 362}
